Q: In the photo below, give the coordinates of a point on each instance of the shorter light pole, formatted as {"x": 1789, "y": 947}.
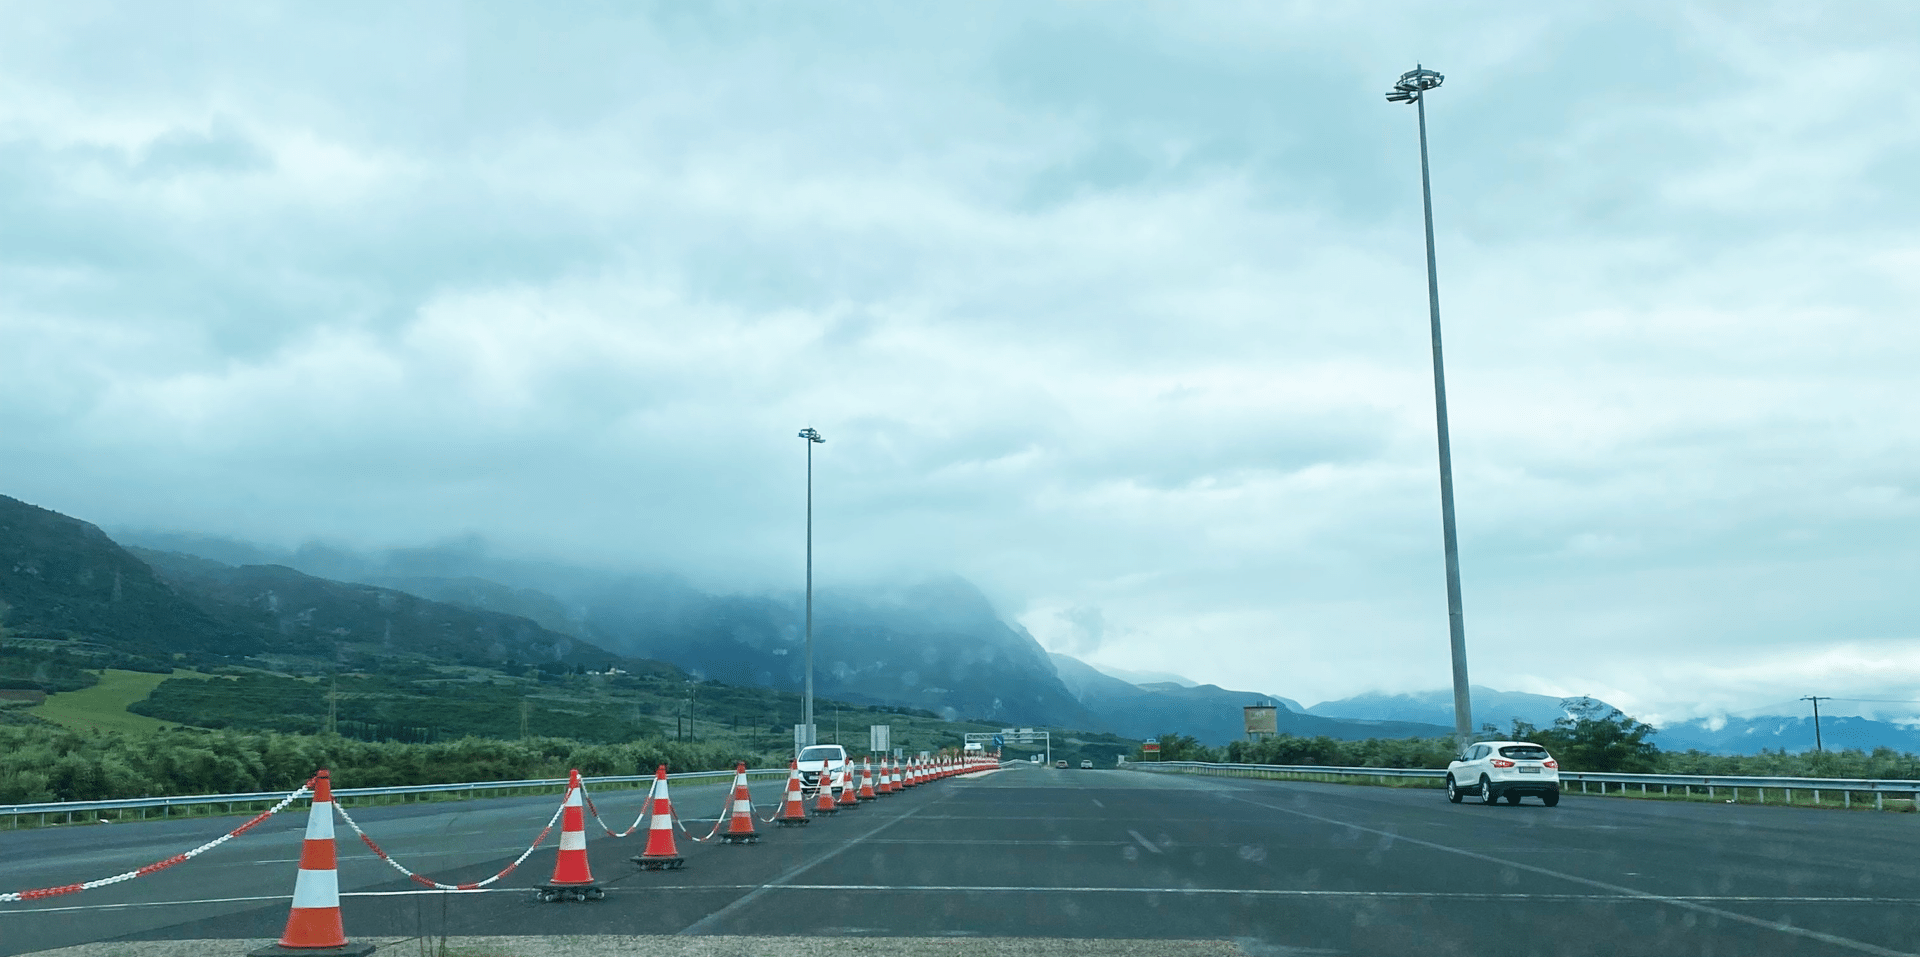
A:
{"x": 1816, "y": 699}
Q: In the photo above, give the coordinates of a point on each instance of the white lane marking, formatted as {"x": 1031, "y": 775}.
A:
{"x": 1143, "y": 841}
{"x": 1096, "y": 803}
{"x": 702, "y": 925}
{"x": 1008, "y": 889}
{"x": 1286, "y": 892}
{"x": 1685, "y": 903}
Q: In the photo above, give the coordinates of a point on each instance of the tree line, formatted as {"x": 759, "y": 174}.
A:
{"x": 1590, "y": 737}
{"x": 40, "y": 763}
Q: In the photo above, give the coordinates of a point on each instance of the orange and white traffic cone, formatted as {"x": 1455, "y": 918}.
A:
{"x": 793, "y": 813}
{"x": 739, "y": 829}
{"x": 849, "y": 797}
{"x": 825, "y": 803}
{"x": 314, "y": 922}
{"x": 572, "y": 879}
{"x": 661, "y": 853}
{"x": 886, "y": 776}
{"x": 911, "y": 778}
{"x": 866, "y": 781}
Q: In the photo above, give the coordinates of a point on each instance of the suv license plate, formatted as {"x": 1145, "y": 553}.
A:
{"x": 1529, "y": 770}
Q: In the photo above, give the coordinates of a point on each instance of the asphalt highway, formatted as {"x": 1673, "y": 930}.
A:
{"x": 1032, "y": 852}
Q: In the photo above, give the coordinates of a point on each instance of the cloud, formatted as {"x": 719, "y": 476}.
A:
{"x": 1122, "y": 317}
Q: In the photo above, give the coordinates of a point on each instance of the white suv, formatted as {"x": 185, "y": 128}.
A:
{"x": 1509, "y": 769}
{"x": 818, "y": 758}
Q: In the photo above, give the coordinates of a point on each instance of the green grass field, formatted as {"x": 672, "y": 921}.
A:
{"x": 103, "y": 707}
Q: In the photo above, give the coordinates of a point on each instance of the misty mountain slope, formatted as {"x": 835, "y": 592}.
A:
{"x": 1498, "y": 708}
{"x": 319, "y": 615}
{"x": 64, "y": 578}
{"x": 935, "y": 644}
{"x": 1212, "y": 714}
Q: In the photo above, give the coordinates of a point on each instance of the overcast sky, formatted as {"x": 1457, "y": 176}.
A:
{"x": 1118, "y": 310}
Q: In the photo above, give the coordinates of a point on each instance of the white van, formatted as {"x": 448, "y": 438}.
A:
{"x": 813, "y": 760}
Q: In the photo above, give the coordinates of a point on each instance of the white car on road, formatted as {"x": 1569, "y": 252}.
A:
{"x": 1504, "y": 769}
{"x": 818, "y": 758}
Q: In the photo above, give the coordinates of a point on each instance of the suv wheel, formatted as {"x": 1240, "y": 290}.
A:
{"x": 1513, "y": 799}
{"x": 1550, "y": 798}
{"x": 1486, "y": 792}
{"x": 1453, "y": 790}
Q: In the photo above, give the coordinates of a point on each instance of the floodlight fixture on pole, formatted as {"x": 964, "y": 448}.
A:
{"x": 1412, "y": 88}
{"x": 806, "y": 702}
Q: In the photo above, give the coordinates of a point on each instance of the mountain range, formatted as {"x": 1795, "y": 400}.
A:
{"x": 935, "y": 643}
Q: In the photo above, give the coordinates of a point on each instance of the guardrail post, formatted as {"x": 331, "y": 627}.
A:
{"x": 1846, "y": 800}
{"x": 1877, "y": 805}
{"x": 1816, "y": 795}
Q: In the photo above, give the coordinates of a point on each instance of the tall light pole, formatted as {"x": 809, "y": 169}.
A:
{"x": 1412, "y": 88}
{"x": 806, "y": 702}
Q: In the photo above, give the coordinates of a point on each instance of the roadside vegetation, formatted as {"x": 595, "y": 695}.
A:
{"x": 1590, "y": 738}
{"x": 40, "y": 763}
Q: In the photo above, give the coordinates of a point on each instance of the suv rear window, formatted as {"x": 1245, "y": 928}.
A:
{"x": 1525, "y": 752}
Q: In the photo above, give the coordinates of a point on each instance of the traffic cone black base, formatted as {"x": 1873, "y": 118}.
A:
{"x": 550, "y": 893}
{"x": 740, "y": 838}
{"x": 353, "y": 949}
{"x": 794, "y": 821}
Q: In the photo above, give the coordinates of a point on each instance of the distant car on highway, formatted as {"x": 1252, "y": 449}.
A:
{"x": 813, "y": 760}
{"x": 1086, "y": 763}
{"x": 1060, "y": 764}
{"x": 1504, "y": 769}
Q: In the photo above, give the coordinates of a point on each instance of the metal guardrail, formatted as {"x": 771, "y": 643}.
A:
{"x": 13, "y": 812}
{"x": 1846, "y": 787}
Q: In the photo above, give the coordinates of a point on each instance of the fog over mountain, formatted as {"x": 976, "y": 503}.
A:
{"x": 929, "y": 642}
{"x": 1499, "y": 708}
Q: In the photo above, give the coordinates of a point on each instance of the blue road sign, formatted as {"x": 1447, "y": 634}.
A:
{"x": 999, "y": 741}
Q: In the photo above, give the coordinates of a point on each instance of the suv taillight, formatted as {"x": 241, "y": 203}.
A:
{"x": 1498, "y": 763}
{"x": 1551, "y": 764}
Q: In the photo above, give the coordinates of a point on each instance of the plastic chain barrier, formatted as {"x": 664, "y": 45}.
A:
{"x": 162, "y": 865}
{"x": 647, "y": 811}
{"x": 436, "y": 885}
{"x": 588, "y": 798}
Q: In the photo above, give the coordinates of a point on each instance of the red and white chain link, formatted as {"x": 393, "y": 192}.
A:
{"x": 436, "y": 885}
{"x": 156, "y": 866}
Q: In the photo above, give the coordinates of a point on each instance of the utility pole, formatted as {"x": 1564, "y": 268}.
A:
{"x": 1412, "y": 88}
{"x": 1816, "y": 699}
